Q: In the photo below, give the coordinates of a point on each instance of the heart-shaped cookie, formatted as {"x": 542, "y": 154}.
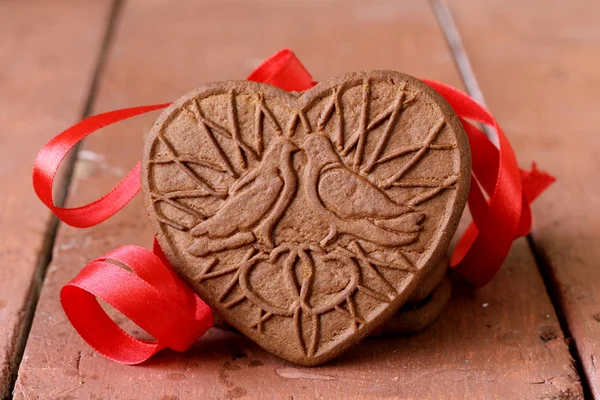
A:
{"x": 306, "y": 220}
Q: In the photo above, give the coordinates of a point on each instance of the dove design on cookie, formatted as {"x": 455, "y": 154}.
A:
{"x": 254, "y": 206}
{"x": 351, "y": 204}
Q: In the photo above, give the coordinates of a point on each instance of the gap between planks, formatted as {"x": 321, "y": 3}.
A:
{"x": 45, "y": 256}
{"x": 463, "y": 64}
{"x": 556, "y": 298}
{"x": 450, "y": 30}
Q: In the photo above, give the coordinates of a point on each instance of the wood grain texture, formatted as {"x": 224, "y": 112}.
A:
{"x": 538, "y": 66}
{"x": 47, "y": 59}
{"x": 503, "y": 341}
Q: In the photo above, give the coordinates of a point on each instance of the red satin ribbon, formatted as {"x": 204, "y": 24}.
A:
{"x": 284, "y": 70}
{"x": 154, "y": 298}
{"x": 485, "y": 244}
{"x": 159, "y": 302}
{"x": 53, "y": 153}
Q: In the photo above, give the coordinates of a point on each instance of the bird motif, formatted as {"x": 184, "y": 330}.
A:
{"x": 255, "y": 204}
{"x": 351, "y": 204}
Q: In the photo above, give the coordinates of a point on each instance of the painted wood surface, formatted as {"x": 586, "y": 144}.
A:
{"x": 503, "y": 341}
{"x": 48, "y": 53}
{"x": 542, "y": 81}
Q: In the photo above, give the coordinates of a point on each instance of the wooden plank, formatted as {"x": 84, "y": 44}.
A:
{"x": 48, "y": 54}
{"x": 503, "y": 341}
{"x": 537, "y": 64}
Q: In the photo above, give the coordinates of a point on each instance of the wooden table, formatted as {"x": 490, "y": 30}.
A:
{"x": 533, "y": 333}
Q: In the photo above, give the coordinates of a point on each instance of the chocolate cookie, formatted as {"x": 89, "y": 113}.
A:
{"x": 430, "y": 281}
{"x": 420, "y": 310}
{"x": 307, "y": 220}
{"x": 414, "y": 318}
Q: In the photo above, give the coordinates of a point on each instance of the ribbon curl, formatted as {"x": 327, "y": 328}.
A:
{"x": 156, "y": 299}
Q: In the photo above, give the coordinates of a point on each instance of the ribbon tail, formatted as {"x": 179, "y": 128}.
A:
{"x": 535, "y": 182}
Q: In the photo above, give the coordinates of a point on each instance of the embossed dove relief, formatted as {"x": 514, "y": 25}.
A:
{"x": 307, "y": 220}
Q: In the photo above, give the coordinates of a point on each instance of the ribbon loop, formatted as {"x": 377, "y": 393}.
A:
{"x": 156, "y": 306}
{"x": 284, "y": 70}
{"x": 53, "y": 153}
{"x": 486, "y": 243}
